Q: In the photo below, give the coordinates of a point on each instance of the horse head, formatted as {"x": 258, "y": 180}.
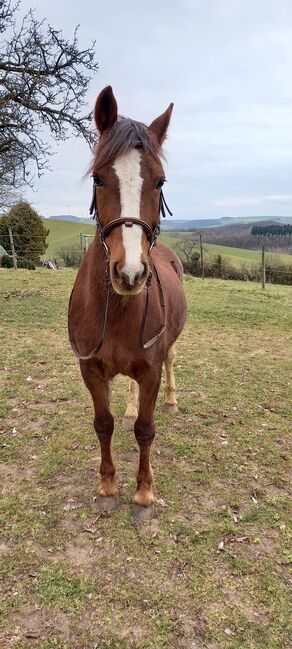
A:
{"x": 128, "y": 179}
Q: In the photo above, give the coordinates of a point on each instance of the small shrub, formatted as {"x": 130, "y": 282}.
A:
{"x": 69, "y": 256}
{"x": 6, "y": 262}
{"x": 22, "y": 262}
{"x": 279, "y": 274}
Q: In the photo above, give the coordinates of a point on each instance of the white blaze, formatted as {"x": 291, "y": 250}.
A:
{"x": 127, "y": 167}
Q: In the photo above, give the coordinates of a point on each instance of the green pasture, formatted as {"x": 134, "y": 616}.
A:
{"x": 65, "y": 234}
{"x": 211, "y": 571}
{"x": 242, "y": 256}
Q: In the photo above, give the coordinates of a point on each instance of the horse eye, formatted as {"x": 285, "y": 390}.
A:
{"x": 160, "y": 183}
{"x": 97, "y": 181}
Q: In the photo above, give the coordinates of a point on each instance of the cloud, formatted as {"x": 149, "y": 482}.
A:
{"x": 225, "y": 64}
{"x": 252, "y": 201}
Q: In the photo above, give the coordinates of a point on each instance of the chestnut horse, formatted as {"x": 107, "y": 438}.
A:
{"x": 127, "y": 306}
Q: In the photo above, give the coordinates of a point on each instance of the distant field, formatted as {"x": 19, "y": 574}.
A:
{"x": 237, "y": 256}
{"x": 64, "y": 233}
{"x": 243, "y": 256}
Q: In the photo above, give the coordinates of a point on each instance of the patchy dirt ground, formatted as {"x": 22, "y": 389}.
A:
{"x": 211, "y": 570}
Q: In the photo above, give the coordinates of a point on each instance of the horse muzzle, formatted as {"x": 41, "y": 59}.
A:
{"x": 128, "y": 280}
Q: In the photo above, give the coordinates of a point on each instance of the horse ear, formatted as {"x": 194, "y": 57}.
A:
{"x": 106, "y": 109}
{"x": 160, "y": 125}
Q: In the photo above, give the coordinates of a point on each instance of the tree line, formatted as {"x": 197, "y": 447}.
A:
{"x": 273, "y": 230}
{"x": 240, "y": 236}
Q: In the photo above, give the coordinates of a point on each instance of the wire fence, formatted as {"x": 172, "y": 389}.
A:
{"x": 205, "y": 265}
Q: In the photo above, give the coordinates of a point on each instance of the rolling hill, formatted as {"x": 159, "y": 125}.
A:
{"x": 66, "y": 217}
{"x": 190, "y": 224}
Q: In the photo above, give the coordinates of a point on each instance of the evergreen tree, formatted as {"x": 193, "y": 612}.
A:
{"x": 272, "y": 230}
{"x": 29, "y": 233}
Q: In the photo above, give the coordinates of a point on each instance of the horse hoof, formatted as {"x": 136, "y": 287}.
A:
{"x": 128, "y": 422}
{"x": 142, "y": 514}
{"x": 171, "y": 408}
{"x": 107, "y": 503}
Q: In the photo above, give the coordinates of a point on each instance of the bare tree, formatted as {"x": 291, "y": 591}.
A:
{"x": 188, "y": 250}
{"x": 43, "y": 83}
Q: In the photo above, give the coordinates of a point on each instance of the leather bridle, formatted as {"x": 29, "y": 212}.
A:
{"x": 104, "y": 231}
{"x": 152, "y": 234}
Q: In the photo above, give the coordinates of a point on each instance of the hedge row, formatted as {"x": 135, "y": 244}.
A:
{"x": 7, "y": 262}
{"x": 222, "y": 268}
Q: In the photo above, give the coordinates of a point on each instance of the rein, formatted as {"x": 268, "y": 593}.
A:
{"x": 152, "y": 234}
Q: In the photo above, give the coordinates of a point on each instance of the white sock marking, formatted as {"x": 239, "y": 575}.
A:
{"x": 127, "y": 167}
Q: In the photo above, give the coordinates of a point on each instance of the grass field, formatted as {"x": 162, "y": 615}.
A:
{"x": 64, "y": 233}
{"x": 211, "y": 570}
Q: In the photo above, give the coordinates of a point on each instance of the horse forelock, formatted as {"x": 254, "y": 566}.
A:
{"x": 124, "y": 135}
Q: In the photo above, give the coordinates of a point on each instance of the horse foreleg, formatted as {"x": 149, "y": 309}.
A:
{"x": 170, "y": 403}
{"x": 145, "y": 433}
{"x": 103, "y": 424}
{"x": 131, "y": 413}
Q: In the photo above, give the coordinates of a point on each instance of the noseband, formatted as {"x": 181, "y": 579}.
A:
{"x": 152, "y": 234}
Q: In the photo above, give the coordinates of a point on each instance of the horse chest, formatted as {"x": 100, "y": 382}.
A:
{"x": 118, "y": 358}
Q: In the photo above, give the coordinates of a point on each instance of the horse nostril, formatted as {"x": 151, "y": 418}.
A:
{"x": 145, "y": 270}
{"x": 116, "y": 272}
{"x": 139, "y": 277}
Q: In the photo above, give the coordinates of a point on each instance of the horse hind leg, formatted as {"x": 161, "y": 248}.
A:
{"x": 131, "y": 413}
{"x": 170, "y": 402}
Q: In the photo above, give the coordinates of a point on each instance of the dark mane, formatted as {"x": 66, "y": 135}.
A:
{"x": 124, "y": 135}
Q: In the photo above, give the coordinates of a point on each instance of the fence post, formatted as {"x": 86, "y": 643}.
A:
{"x": 81, "y": 245}
{"x": 202, "y": 258}
{"x": 263, "y": 268}
{"x": 12, "y": 248}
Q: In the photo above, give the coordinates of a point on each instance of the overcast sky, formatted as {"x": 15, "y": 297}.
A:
{"x": 227, "y": 65}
